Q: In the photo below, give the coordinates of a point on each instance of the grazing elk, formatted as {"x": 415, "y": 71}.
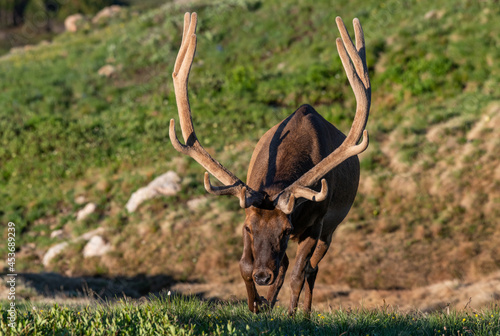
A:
{"x": 300, "y": 155}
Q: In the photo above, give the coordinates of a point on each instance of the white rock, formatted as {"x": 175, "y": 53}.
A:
{"x": 106, "y": 13}
{"x": 107, "y": 71}
{"x": 90, "y": 234}
{"x": 80, "y": 199}
{"x": 57, "y": 234}
{"x": 96, "y": 247}
{"x": 167, "y": 184}
{"x": 434, "y": 14}
{"x": 87, "y": 210}
{"x": 52, "y": 252}
{"x": 72, "y": 22}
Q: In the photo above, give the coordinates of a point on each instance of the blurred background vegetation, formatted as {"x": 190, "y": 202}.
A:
{"x": 31, "y": 21}
{"x": 428, "y": 207}
{"x": 21, "y": 11}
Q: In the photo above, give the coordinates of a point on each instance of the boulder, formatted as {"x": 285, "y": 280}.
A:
{"x": 96, "y": 247}
{"x": 106, "y": 13}
{"x": 86, "y": 211}
{"x": 80, "y": 199}
{"x": 90, "y": 234}
{"x": 52, "y": 252}
{"x": 167, "y": 184}
{"x": 73, "y": 22}
{"x": 434, "y": 14}
{"x": 107, "y": 71}
{"x": 57, "y": 234}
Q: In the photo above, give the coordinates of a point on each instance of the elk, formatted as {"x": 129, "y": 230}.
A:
{"x": 302, "y": 178}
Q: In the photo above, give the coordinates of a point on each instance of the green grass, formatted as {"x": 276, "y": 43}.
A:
{"x": 175, "y": 315}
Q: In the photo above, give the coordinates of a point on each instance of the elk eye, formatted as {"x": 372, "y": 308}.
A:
{"x": 247, "y": 229}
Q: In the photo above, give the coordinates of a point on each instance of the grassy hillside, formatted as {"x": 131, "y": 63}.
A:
{"x": 429, "y": 202}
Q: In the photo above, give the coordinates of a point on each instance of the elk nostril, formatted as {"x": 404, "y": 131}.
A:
{"x": 263, "y": 278}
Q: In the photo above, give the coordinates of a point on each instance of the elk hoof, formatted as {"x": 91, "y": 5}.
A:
{"x": 261, "y": 304}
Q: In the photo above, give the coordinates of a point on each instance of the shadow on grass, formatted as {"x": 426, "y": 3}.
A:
{"x": 54, "y": 284}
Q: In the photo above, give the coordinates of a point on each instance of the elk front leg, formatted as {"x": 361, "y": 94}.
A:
{"x": 272, "y": 294}
{"x": 312, "y": 270}
{"x": 304, "y": 253}
{"x": 246, "y": 269}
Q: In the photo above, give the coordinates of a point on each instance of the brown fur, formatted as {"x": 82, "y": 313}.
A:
{"x": 312, "y": 138}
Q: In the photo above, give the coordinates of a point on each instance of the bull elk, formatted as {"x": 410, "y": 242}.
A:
{"x": 300, "y": 155}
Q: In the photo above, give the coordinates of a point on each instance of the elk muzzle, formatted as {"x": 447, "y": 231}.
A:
{"x": 263, "y": 277}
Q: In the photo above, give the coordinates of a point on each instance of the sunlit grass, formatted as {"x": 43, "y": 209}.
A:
{"x": 176, "y": 315}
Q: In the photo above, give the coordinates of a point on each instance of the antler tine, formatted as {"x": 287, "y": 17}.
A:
{"x": 357, "y": 75}
{"x": 307, "y": 193}
{"x": 354, "y": 62}
{"x": 190, "y": 23}
{"x": 234, "y": 190}
{"x": 286, "y": 204}
{"x": 358, "y": 60}
{"x": 233, "y": 185}
{"x": 360, "y": 40}
{"x": 187, "y": 21}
